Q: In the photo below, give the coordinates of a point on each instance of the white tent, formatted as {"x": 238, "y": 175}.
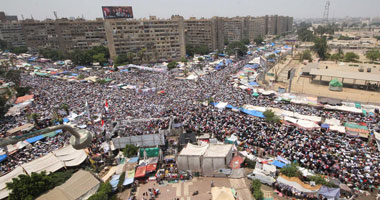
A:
{"x": 190, "y": 157}
{"x": 216, "y": 157}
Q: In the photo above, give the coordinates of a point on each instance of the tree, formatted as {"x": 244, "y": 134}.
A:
{"x": 18, "y": 50}
{"x": 306, "y": 55}
{"x": 237, "y": 46}
{"x": 52, "y": 54}
{"x": 13, "y": 76}
{"x": 104, "y": 192}
{"x": 320, "y": 47}
{"x": 197, "y": 49}
{"x": 256, "y": 189}
{"x": 141, "y": 54}
{"x": 245, "y": 41}
{"x": 100, "y": 58}
{"x": 3, "y": 106}
{"x": 373, "y": 55}
{"x": 34, "y": 117}
{"x": 336, "y": 57}
{"x": 65, "y": 107}
{"x": 3, "y": 45}
{"x": 351, "y": 57}
{"x": 22, "y": 91}
{"x": 377, "y": 37}
{"x": 200, "y": 59}
{"x": 291, "y": 170}
{"x": 259, "y": 40}
{"x": 130, "y": 150}
{"x": 81, "y": 76}
{"x": 271, "y": 117}
{"x": 124, "y": 59}
{"x": 305, "y": 35}
{"x": 29, "y": 187}
{"x": 172, "y": 65}
{"x": 319, "y": 180}
{"x": 272, "y": 56}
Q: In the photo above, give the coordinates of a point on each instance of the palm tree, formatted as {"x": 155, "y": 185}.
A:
{"x": 65, "y": 107}
{"x": 34, "y": 117}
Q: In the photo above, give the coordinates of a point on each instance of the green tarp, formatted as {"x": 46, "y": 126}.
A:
{"x": 108, "y": 80}
{"x": 335, "y": 83}
{"x": 150, "y": 152}
{"x": 41, "y": 74}
{"x": 255, "y": 94}
{"x": 356, "y": 126}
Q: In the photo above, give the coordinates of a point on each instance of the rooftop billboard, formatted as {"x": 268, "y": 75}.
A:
{"x": 112, "y": 12}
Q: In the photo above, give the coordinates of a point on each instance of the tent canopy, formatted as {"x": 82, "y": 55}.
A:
{"x": 278, "y": 164}
{"x": 35, "y": 139}
{"x": 329, "y": 193}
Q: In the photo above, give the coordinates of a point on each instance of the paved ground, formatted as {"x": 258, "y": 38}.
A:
{"x": 184, "y": 190}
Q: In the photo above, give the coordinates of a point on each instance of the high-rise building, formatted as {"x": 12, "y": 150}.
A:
{"x": 271, "y": 22}
{"x": 10, "y": 30}
{"x": 235, "y": 29}
{"x": 282, "y": 25}
{"x": 150, "y": 39}
{"x": 290, "y": 24}
{"x": 207, "y": 32}
{"x": 257, "y": 27}
{"x": 64, "y": 34}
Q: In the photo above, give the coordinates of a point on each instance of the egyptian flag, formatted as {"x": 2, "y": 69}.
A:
{"x": 106, "y": 105}
{"x": 102, "y": 123}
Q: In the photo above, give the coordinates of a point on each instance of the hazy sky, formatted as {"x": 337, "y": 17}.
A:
{"x": 91, "y": 9}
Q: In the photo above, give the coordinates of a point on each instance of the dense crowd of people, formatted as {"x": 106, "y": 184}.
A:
{"x": 351, "y": 160}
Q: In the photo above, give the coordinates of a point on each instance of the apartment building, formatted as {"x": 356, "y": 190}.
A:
{"x": 256, "y": 27}
{"x": 160, "y": 39}
{"x": 235, "y": 29}
{"x": 271, "y": 22}
{"x": 282, "y": 25}
{"x": 10, "y": 30}
{"x": 208, "y": 32}
{"x": 63, "y": 34}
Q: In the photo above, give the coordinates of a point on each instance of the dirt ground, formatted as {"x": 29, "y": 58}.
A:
{"x": 304, "y": 85}
{"x": 184, "y": 190}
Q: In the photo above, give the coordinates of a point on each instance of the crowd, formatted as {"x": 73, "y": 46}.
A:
{"x": 351, "y": 160}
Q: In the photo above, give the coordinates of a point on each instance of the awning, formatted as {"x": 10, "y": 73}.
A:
{"x": 278, "y": 164}
{"x": 3, "y": 157}
{"x": 52, "y": 134}
{"x": 140, "y": 172}
{"x": 133, "y": 160}
{"x": 151, "y": 167}
{"x": 35, "y": 139}
{"x": 129, "y": 177}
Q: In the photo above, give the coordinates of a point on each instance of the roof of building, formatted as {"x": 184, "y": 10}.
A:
{"x": 193, "y": 150}
{"x": 79, "y": 184}
{"x": 218, "y": 150}
{"x": 346, "y": 74}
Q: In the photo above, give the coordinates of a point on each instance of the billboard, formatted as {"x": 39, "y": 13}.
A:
{"x": 112, "y": 12}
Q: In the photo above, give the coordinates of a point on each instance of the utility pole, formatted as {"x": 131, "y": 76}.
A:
{"x": 326, "y": 12}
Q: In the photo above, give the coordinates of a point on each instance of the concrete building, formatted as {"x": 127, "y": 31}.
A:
{"x": 271, "y": 22}
{"x": 157, "y": 39}
{"x": 63, "y": 34}
{"x": 282, "y": 25}
{"x": 235, "y": 29}
{"x": 208, "y": 32}
{"x": 290, "y": 24}
{"x": 10, "y": 30}
{"x": 7, "y": 18}
{"x": 257, "y": 27}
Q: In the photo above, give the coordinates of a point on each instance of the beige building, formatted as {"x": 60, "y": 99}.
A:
{"x": 158, "y": 39}
{"x": 271, "y": 22}
{"x": 235, "y": 29}
{"x": 256, "y": 27}
{"x": 63, "y": 34}
{"x": 10, "y": 31}
{"x": 208, "y": 32}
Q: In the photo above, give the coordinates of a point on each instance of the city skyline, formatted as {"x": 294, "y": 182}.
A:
{"x": 89, "y": 9}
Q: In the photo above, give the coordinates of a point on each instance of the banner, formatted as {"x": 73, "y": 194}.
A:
{"x": 112, "y": 12}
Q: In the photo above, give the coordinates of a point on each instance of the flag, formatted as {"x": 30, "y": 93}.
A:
{"x": 106, "y": 105}
{"x": 88, "y": 111}
{"x": 102, "y": 123}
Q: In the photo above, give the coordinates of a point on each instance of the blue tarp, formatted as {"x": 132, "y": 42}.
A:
{"x": 133, "y": 160}
{"x": 270, "y": 60}
{"x": 277, "y": 51}
{"x": 3, "y": 157}
{"x": 79, "y": 67}
{"x": 232, "y": 107}
{"x": 253, "y": 83}
{"x": 253, "y": 113}
{"x": 124, "y": 70}
{"x": 65, "y": 120}
{"x": 272, "y": 44}
{"x": 114, "y": 181}
{"x": 254, "y": 66}
{"x": 278, "y": 164}
{"x": 325, "y": 126}
{"x": 249, "y": 53}
{"x": 221, "y": 55}
{"x": 35, "y": 139}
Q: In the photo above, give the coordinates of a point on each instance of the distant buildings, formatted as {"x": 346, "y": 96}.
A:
{"x": 157, "y": 39}
{"x": 148, "y": 39}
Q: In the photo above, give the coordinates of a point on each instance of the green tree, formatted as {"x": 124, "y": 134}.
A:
{"x": 124, "y": 59}
{"x": 351, "y": 57}
{"x": 3, "y": 45}
{"x": 197, "y": 49}
{"x": 226, "y": 42}
{"x": 100, "y": 58}
{"x": 237, "y": 46}
{"x": 259, "y": 40}
{"x": 305, "y": 35}
{"x": 245, "y": 41}
{"x": 81, "y": 76}
{"x": 65, "y": 107}
{"x": 29, "y": 187}
{"x": 320, "y": 47}
{"x": 373, "y": 55}
{"x": 3, "y": 106}
{"x": 271, "y": 117}
{"x": 18, "y": 50}
{"x": 200, "y": 59}
{"x": 256, "y": 189}
{"x": 34, "y": 117}
{"x": 272, "y": 56}
{"x": 172, "y": 65}
{"x": 104, "y": 192}
{"x": 22, "y": 91}
{"x": 306, "y": 55}
{"x": 121, "y": 181}
{"x": 141, "y": 54}
{"x": 319, "y": 180}
{"x": 130, "y": 150}
{"x": 377, "y": 37}
{"x": 335, "y": 57}
{"x": 12, "y": 76}
{"x": 291, "y": 170}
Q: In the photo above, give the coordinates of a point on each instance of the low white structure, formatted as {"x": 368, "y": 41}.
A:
{"x": 216, "y": 157}
{"x": 190, "y": 158}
